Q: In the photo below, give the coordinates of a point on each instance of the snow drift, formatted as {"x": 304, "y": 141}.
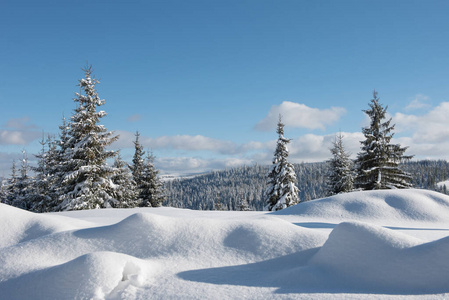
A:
{"x": 172, "y": 253}
{"x": 389, "y": 206}
{"x": 374, "y": 259}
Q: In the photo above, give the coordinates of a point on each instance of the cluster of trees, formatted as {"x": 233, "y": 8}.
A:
{"x": 240, "y": 188}
{"x": 232, "y": 187}
{"x": 376, "y": 166}
{"x": 73, "y": 172}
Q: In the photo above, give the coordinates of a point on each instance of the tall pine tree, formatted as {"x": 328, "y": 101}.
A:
{"x": 341, "y": 175}
{"x": 282, "y": 190}
{"x": 138, "y": 162}
{"x": 378, "y": 162}
{"x": 11, "y": 186}
{"x": 125, "y": 191}
{"x": 86, "y": 181}
{"x": 39, "y": 197}
{"x": 151, "y": 191}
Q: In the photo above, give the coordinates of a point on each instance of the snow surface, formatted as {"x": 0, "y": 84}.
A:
{"x": 361, "y": 245}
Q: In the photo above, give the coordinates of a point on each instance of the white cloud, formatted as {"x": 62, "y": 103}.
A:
{"x": 313, "y": 148}
{"x": 426, "y": 135}
{"x": 307, "y": 148}
{"x": 419, "y": 102}
{"x": 19, "y": 123}
{"x": 431, "y": 127}
{"x": 134, "y": 118}
{"x": 187, "y": 143}
{"x": 300, "y": 115}
{"x": 18, "y": 132}
{"x": 186, "y": 165}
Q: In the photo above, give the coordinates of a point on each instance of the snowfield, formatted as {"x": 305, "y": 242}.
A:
{"x": 362, "y": 245}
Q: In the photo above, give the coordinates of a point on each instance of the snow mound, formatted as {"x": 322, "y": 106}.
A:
{"x": 19, "y": 225}
{"x": 91, "y": 276}
{"x": 147, "y": 235}
{"x": 394, "y": 206}
{"x": 356, "y": 258}
{"x": 372, "y": 258}
{"x": 198, "y": 242}
{"x": 169, "y": 253}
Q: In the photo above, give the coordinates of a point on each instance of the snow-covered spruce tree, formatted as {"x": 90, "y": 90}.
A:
{"x": 282, "y": 191}
{"x": 378, "y": 163}
{"x": 340, "y": 178}
{"x": 138, "y": 163}
{"x": 86, "y": 182}
{"x": 22, "y": 186}
{"x": 39, "y": 197}
{"x": 10, "y": 186}
{"x": 3, "y": 191}
{"x": 125, "y": 191}
{"x": 151, "y": 188}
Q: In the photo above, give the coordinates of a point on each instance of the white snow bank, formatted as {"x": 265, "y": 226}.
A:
{"x": 393, "y": 206}
{"x": 357, "y": 258}
{"x": 168, "y": 253}
{"x": 371, "y": 259}
{"x": 91, "y": 276}
{"x": 18, "y": 225}
{"x": 189, "y": 242}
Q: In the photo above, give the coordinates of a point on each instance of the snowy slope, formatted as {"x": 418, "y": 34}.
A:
{"x": 385, "y": 206}
{"x": 167, "y": 253}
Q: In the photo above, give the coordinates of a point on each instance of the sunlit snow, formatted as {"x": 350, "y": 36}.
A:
{"x": 371, "y": 244}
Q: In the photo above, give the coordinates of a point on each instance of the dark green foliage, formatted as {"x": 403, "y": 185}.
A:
{"x": 340, "y": 176}
{"x": 378, "y": 162}
{"x": 151, "y": 192}
{"x": 138, "y": 163}
{"x": 247, "y": 182}
{"x": 124, "y": 190}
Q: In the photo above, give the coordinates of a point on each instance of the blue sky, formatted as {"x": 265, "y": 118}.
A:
{"x": 203, "y": 81}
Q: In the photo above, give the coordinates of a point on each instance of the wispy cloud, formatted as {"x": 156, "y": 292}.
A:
{"x": 19, "y": 132}
{"x": 300, "y": 115}
{"x": 188, "y": 143}
{"x": 134, "y": 118}
{"x": 20, "y": 123}
{"x": 419, "y": 102}
{"x": 185, "y": 165}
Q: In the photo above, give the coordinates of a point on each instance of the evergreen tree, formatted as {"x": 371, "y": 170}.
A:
{"x": 282, "y": 191}
{"x": 39, "y": 196}
{"x": 138, "y": 163}
{"x": 22, "y": 186}
{"x": 378, "y": 162}
{"x": 86, "y": 181}
{"x": 340, "y": 176}
{"x": 11, "y": 187}
{"x": 3, "y": 191}
{"x": 125, "y": 192}
{"x": 151, "y": 192}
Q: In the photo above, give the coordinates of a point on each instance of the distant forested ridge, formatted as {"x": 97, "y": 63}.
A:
{"x": 242, "y": 188}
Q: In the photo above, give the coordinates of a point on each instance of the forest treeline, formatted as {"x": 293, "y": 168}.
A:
{"x": 243, "y": 188}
